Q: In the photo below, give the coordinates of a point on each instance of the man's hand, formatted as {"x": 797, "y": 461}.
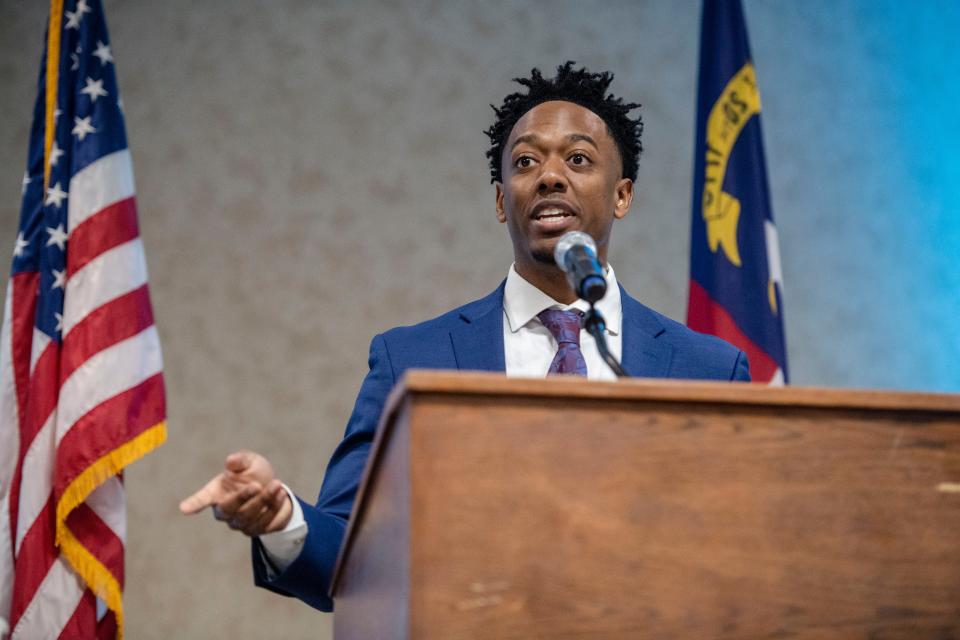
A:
{"x": 245, "y": 495}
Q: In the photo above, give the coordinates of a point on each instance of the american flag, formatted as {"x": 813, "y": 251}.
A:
{"x": 81, "y": 385}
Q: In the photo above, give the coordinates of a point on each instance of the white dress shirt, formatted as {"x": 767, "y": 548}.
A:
{"x": 528, "y": 349}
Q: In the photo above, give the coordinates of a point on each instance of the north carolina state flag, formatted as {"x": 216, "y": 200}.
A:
{"x": 735, "y": 276}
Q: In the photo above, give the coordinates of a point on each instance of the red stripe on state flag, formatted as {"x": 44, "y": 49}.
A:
{"x": 115, "y": 321}
{"x": 98, "y": 538}
{"x": 107, "y": 426}
{"x": 706, "y": 316}
{"x": 108, "y": 228}
{"x": 37, "y": 555}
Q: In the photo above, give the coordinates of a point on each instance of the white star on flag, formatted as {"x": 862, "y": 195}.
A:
{"x": 94, "y": 89}
{"x": 21, "y": 245}
{"x": 57, "y": 237}
{"x": 59, "y": 279}
{"x": 59, "y": 317}
{"x": 83, "y": 7}
{"x": 26, "y": 181}
{"x": 103, "y": 52}
{"x": 55, "y": 195}
{"x": 81, "y": 127}
{"x": 73, "y": 19}
{"x": 55, "y": 153}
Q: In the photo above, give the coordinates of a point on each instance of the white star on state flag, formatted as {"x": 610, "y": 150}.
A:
{"x": 25, "y": 183}
{"x": 83, "y": 7}
{"x": 59, "y": 279}
{"x": 76, "y": 62}
{"x": 21, "y": 245}
{"x": 55, "y": 195}
{"x": 103, "y": 52}
{"x": 81, "y": 127}
{"x": 55, "y": 153}
{"x": 94, "y": 89}
{"x": 57, "y": 237}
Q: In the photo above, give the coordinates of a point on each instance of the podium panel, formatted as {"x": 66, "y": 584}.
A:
{"x": 505, "y": 508}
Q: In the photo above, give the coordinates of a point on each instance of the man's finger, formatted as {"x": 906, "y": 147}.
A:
{"x": 250, "y": 510}
{"x": 233, "y": 501}
{"x": 208, "y": 495}
{"x": 239, "y": 461}
{"x": 273, "y": 498}
{"x": 262, "y": 522}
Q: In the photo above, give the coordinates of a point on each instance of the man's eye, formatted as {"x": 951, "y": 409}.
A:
{"x": 523, "y": 162}
{"x": 579, "y": 159}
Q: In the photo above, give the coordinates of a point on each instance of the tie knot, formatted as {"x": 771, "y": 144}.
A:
{"x": 563, "y": 324}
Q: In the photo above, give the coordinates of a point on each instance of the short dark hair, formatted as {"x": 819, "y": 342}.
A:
{"x": 589, "y": 90}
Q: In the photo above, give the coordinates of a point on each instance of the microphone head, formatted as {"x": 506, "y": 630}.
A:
{"x": 569, "y": 240}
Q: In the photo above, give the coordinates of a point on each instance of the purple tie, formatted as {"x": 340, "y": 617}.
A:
{"x": 565, "y": 327}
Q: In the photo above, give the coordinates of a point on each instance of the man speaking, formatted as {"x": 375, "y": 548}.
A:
{"x": 563, "y": 157}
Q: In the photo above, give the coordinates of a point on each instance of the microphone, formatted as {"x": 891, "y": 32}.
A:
{"x": 576, "y": 254}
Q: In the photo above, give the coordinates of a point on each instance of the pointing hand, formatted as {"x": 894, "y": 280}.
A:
{"x": 246, "y": 495}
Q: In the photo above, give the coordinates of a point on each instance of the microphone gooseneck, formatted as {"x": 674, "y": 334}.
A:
{"x": 576, "y": 255}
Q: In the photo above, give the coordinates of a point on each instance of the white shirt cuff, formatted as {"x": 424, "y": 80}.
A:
{"x": 282, "y": 547}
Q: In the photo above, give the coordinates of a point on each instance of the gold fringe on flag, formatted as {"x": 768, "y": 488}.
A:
{"x": 103, "y": 583}
{"x": 52, "y": 82}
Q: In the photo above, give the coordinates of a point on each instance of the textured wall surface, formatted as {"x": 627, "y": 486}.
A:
{"x": 311, "y": 173}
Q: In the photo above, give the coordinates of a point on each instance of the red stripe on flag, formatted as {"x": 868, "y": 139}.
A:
{"x": 107, "y": 628}
{"x": 98, "y": 539}
{"x": 107, "y": 426}
{"x": 83, "y": 622}
{"x": 23, "y": 304}
{"x": 23, "y": 310}
{"x": 42, "y": 390}
{"x": 707, "y": 316}
{"x": 37, "y": 555}
{"x": 115, "y": 321}
{"x": 104, "y": 230}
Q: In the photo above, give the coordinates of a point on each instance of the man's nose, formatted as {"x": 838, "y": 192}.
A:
{"x": 553, "y": 179}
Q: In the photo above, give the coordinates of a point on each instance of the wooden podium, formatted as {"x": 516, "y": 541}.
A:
{"x": 507, "y": 508}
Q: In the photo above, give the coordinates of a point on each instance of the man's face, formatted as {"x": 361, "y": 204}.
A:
{"x": 561, "y": 172}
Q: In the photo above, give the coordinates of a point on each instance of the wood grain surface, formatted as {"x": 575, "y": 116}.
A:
{"x": 657, "y": 510}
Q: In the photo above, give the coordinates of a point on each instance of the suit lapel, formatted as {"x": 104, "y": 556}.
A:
{"x": 478, "y": 336}
{"x": 643, "y": 355}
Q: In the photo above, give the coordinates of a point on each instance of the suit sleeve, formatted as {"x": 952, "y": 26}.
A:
{"x": 741, "y": 369}
{"x": 308, "y": 577}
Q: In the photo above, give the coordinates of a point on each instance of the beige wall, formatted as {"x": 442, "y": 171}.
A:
{"x": 311, "y": 173}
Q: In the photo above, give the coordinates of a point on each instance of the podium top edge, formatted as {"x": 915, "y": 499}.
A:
{"x": 426, "y": 381}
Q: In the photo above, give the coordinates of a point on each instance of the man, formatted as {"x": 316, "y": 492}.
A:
{"x": 563, "y": 157}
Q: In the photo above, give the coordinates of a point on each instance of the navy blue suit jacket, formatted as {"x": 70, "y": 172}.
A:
{"x": 468, "y": 338}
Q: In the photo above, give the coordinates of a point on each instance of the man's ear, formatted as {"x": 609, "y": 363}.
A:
{"x": 501, "y": 214}
{"x": 624, "y": 198}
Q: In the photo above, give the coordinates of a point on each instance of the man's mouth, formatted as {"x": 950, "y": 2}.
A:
{"x": 552, "y": 213}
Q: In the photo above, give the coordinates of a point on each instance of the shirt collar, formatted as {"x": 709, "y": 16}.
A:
{"x": 522, "y": 302}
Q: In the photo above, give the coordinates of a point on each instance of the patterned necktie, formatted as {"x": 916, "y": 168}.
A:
{"x": 565, "y": 327}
